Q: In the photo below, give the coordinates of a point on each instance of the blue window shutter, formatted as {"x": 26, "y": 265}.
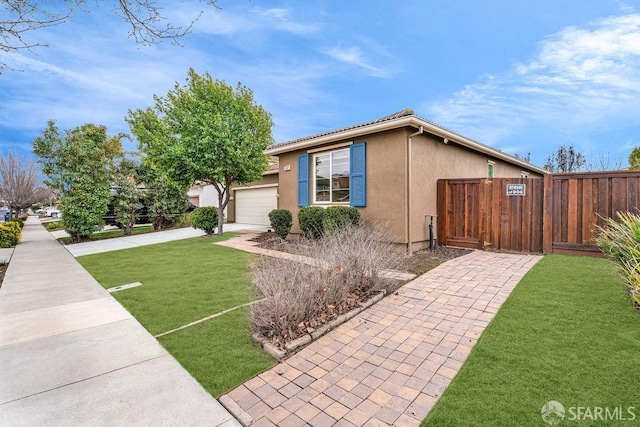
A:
{"x": 358, "y": 175}
{"x": 303, "y": 180}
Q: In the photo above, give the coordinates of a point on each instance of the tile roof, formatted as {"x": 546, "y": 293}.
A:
{"x": 408, "y": 112}
{"x": 403, "y": 113}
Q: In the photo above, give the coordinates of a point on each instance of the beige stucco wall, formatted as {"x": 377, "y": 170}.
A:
{"x": 432, "y": 159}
{"x": 385, "y": 180}
{"x": 387, "y": 186}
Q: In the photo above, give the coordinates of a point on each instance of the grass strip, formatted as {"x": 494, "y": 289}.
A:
{"x": 220, "y": 352}
{"x": 182, "y": 281}
{"x": 569, "y": 333}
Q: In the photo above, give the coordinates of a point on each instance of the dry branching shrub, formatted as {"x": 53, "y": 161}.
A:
{"x": 300, "y": 297}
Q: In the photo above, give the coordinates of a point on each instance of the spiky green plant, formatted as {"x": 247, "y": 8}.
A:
{"x": 620, "y": 240}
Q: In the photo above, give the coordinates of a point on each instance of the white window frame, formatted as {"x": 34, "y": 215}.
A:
{"x": 313, "y": 170}
{"x": 492, "y": 165}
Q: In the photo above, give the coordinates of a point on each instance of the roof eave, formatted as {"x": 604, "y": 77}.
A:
{"x": 413, "y": 121}
{"x": 461, "y": 140}
{"x": 342, "y": 135}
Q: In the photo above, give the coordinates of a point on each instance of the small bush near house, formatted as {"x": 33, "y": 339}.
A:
{"x": 339, "y": 217}
{"x": 301, "y": 297}
{"x": 281, "y": 222}
{"x": 205, "y": 218}
{"x": 10, "y": 234}
{"x": 620, "y": 240}
{"x": 310, "y": 219}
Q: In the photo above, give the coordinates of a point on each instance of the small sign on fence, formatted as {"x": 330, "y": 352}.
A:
{"x": 516, "y": 189}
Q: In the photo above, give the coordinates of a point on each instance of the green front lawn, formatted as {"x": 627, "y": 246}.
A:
{"x": 569, "y": 333}
{"x": 184, "y": 281}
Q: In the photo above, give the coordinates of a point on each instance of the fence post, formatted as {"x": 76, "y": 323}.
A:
{"x": 442, "y": 206}
{"x": 547, "y": 214}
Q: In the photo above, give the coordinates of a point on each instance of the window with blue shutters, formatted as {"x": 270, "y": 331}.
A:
{"x": 338, "y": 177}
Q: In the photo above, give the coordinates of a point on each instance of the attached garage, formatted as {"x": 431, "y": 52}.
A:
{"x": 254, "y": 204}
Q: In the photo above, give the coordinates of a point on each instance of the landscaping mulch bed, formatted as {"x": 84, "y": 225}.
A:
{"x": 418, "y": 263}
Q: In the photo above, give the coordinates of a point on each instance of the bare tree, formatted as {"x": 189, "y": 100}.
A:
{"x": 523, "y": 157}
{"x": 147, "y": 23}
{"x": 565, "y": 159}
{"x": 604, "y": 162}
{"x": 19, "y": 187}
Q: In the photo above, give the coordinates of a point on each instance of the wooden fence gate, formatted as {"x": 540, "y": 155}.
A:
{"x": 502, "y": 213}
{"x": 555, "y": 214}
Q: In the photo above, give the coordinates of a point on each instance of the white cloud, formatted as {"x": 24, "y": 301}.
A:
{"x": 355, "y": 56}
{"x": 581, "y": 80}
{"x": 225, "y": 22}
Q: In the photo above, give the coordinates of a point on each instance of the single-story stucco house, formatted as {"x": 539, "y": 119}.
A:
{"x": 387, "y": 168}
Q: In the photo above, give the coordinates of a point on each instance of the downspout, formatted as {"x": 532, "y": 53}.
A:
{"x": 409, "y": 182}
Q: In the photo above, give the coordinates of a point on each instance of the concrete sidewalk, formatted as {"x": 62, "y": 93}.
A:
{"x": 128, "y": 242}
{"x": 72, "y": 355}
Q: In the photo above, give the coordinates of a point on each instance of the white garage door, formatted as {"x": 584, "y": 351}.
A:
{"x": 253, "y": 205}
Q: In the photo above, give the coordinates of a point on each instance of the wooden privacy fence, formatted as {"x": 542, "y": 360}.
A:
{"x": 555, "y": 214}
{"x": 478, "y": 213}
{"x": 576, "y": 203}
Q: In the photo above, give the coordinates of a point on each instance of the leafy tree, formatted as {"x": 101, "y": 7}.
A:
{"x": 205, "y": 131}
{"x": 19, "y": 180}
{"x": 127, "y": 204}
{"x": 79, "y": 166}
{"x": 165, "y": 199}
{"x": 146, "y": 22}
{"x": 565, "y": 159}
{"x": 634, "y": 159}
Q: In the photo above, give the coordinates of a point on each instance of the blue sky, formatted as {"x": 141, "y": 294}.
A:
{"x": 521, "y": 76}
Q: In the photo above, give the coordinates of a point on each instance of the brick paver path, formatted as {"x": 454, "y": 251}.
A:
{"x": 389, "y": 364}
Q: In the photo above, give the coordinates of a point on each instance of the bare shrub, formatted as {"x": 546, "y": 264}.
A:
{"x": 338, "y": 272}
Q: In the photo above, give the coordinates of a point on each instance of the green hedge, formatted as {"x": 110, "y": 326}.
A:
{"x": 310, "y": 220}
{"x": 205, "y": 218}
{"x": 10, "y": 234}
{"x": 315, "y": 221}
{"x": 281, "y": 222}
{"x": 338, "y": 217}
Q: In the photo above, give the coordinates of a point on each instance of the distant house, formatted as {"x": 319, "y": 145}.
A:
{"x": 387, "y": 168}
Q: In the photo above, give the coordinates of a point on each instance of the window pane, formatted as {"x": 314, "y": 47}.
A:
{"x": 340, "y": 176}
{"x": 323, "y": 177}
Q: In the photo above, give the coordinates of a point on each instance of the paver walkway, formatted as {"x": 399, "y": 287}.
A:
{"x": 70, "y": 354}
{"x": 389, "y": 364}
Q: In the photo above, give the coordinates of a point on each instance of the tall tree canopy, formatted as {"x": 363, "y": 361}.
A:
{"x": 634, "y": 159}
{"x": 79, "y": 166}
{"x": 205, "y": 131}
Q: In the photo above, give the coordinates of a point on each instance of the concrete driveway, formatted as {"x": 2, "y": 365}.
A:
{"x": 128, "y": 242}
